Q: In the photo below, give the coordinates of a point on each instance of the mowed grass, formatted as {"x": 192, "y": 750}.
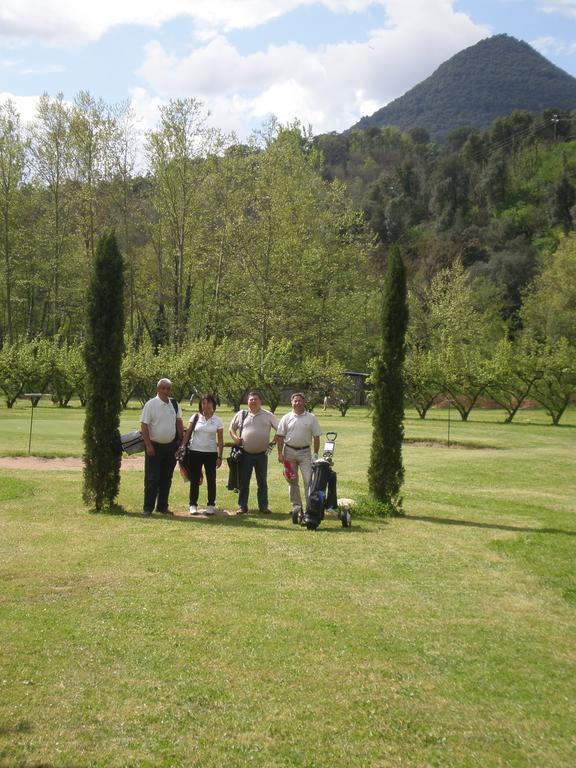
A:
{"x": 444, "y": 638}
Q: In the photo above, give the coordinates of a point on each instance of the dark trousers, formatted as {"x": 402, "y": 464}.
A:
{"x": 197, "y": 460}
{"x": 258, "y": 462}
{"x": 158, "y": 471}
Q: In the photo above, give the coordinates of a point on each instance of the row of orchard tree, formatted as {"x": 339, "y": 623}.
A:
{"x": 219, "y": 238}
{"x": 458, "y": 345}
{"x": 225, "y": 368}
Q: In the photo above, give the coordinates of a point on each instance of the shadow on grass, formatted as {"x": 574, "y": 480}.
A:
{"x": 491, "y": 422}
{"x": 272, "y": 521}
{"x": 23, "y": 726}
{"x": 494, "y": 526}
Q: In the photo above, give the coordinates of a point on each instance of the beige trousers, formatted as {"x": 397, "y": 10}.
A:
{"x": 299, "y": 460}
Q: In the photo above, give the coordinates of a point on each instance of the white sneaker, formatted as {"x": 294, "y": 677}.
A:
{"x": 210, "y": 510}
{"x": 193, "y": 509}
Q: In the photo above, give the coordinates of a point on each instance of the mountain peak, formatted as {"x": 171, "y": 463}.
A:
{"x": 488, "y": 80}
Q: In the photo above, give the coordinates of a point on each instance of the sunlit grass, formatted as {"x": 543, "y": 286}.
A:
{"x": 445, "y": 638}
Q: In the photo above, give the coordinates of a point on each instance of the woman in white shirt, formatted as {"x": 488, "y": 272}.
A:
{"x": 205, "y": 440}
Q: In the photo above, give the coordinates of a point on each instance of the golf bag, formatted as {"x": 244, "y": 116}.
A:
{"x": 132, "y": 442}
{"x": 322, "y": 495}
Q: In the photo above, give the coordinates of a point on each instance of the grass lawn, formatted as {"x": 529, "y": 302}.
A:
{"x": 444, "y": 638}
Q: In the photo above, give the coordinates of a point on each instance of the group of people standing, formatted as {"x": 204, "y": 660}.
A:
{"x": 165, "y": 439}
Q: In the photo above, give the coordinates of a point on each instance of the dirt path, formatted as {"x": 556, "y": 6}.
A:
{"x": 64, "y": 462}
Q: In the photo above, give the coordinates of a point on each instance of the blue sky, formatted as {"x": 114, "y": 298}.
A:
{"x": 326, "y": 63}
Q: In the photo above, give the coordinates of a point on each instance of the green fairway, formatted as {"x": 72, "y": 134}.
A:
{"x": 444, "y": 638}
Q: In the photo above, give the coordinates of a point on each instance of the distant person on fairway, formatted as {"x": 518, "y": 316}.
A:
{"x": 162, "y": 429}
{"x": 252, "y": 432}
{"x": 296, "y": 430}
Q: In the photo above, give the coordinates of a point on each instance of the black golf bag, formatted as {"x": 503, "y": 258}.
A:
{"x": 322, "y": 495}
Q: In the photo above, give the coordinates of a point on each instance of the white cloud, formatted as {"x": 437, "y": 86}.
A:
{"x": 25, "y": 105}
{"x": 563, "y": 7}
{"x": 72, "y": 22}
{"x": 48, "y": 69}
{"x": 551, "y": 45}
{"x": 330, "y": 87}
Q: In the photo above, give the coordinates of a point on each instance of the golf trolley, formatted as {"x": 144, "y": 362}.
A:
{"x": 322, "y": 496}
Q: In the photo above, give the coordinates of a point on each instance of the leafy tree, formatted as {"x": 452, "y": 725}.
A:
{"x": 103, "y": 353}
{"x": 51, "y": 161}
{"x": 62, "y": 383}
{"x": 320, "y": 374}
{"x": 278, "y": 369}
{"x": 91, "y": 129}
{"x": 179, "y": 154}
{"x": 495, "y": 181}
{"x": 515, "y": 370}
{"x": 466, "y": 374}
{"x": 238, "y": 370}
{"x": 300, "y": 248}
{"x": 25, "y": 367}
{"x": 450, "y": 191}
{"x": 421, "y": 377}
{"x": 464, "y": 326}
{"x": 12, "y": 166}
{"x": 386, "y": 470}
{"x": 562, "y": 202}
{"x": 139, "y": 372}
{"x": 556, "y": 385}
{"x": 343, "y": 395}
{"x": 548, "y": 309}
{"x": 124, "y": 140}
{"x": 76, "y": 363}
{"x": 421, "y": 373}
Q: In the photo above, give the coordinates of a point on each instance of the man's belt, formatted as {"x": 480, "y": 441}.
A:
{"x": 297, "y": 447}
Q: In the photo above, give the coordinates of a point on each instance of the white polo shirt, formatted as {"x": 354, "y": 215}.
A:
{"x": 204, "y": 435}
{"x": 298, "y": 429}
{"x": 161, "y": 420}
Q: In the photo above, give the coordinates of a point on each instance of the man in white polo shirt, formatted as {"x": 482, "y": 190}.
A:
{"x": 162, "y": 429}
{"x": 252, "y": 431}
{"x": 296, "y": 430}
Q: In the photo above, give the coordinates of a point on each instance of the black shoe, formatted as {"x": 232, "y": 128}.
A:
{"x": 242, "y": 510}
{"x": 146, "y": 512}
{"x": 165, "y": 512}
{"x": 265, "y": 511}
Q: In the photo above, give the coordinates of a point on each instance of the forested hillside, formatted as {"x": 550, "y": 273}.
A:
{"x": 496, "y": 200}
{"x": 488, "y": 80}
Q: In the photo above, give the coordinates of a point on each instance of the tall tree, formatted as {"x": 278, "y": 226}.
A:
{"x": 179, "y": 153}
{"x": 299, "y": 246}
{"x": 386, "y": 470}
{"x": 548, "y": 309}
{"x": 464, "y": 326}
{"x": 50, "y": 152}
{"x": 91, "y": 130}
{"x": 123, "y": 140}
{"x": 12, "y": 163}
{"x": 103, "y": 353}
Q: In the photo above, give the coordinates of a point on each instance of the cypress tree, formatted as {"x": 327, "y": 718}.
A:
{"x": 103, "y": 355}
{"x": 386, "y": 470}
